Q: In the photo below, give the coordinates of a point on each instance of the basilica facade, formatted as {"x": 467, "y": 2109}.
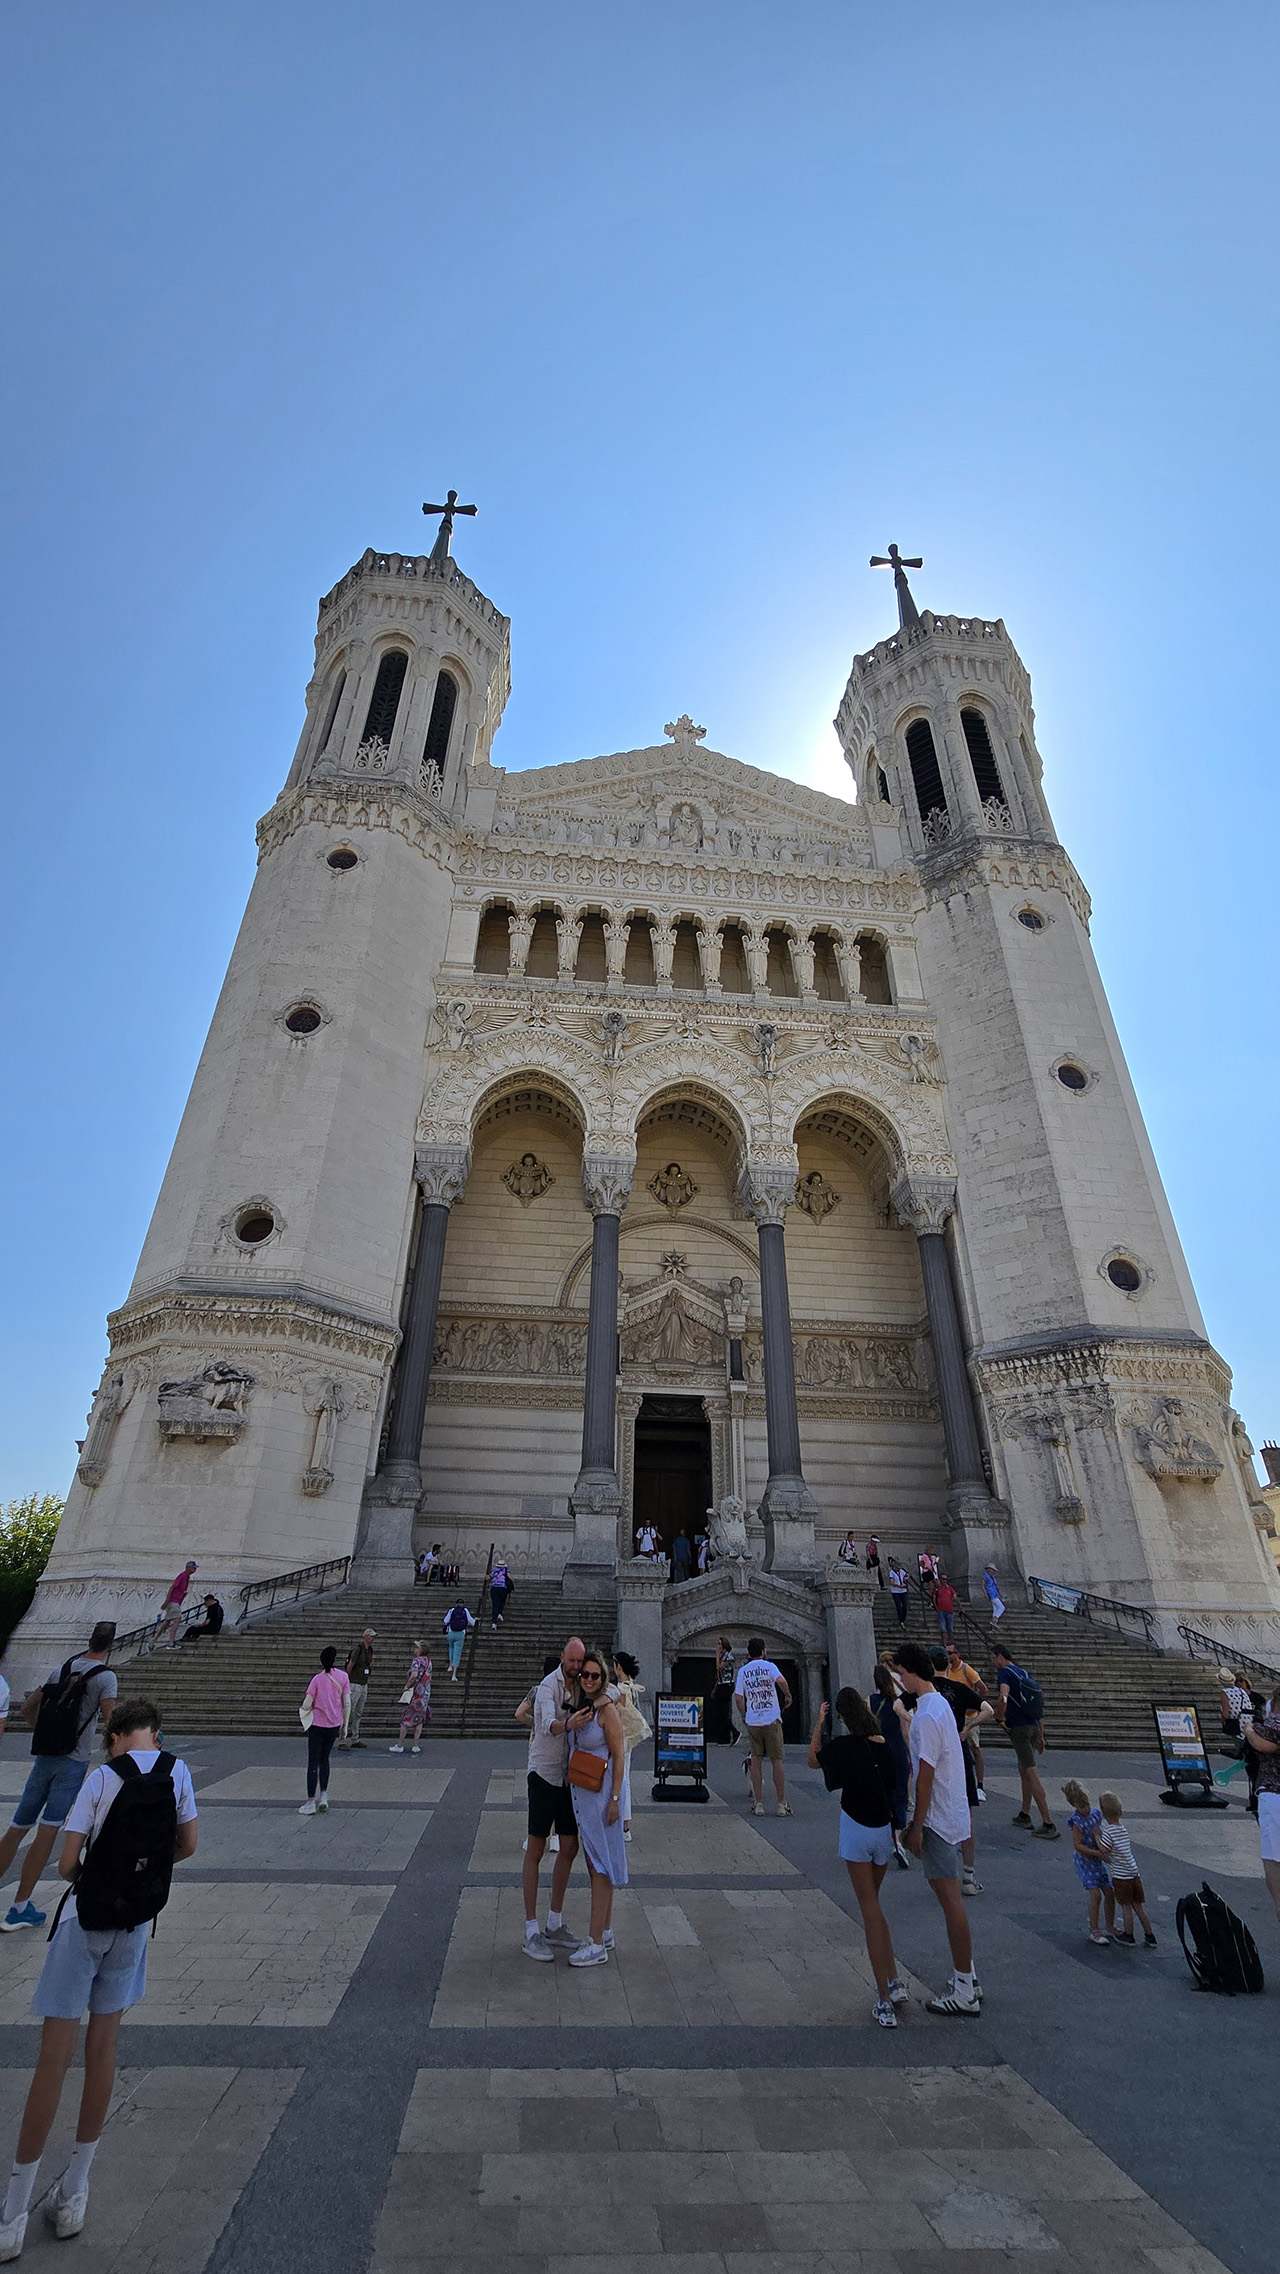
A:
{"x": 591, "y": 1147}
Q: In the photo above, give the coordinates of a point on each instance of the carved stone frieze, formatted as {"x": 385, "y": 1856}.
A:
{"x": 512, "y": 1346}
{"x": 837, "y": 1360}
{"x": 252, "y": 1325}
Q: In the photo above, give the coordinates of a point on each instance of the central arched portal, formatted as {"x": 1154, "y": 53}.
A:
{"x": 672, "y": 1489}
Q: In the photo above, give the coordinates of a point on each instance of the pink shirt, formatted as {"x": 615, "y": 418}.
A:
{"x": 327, "y": 1693}
{"x": 178, "y": 1592}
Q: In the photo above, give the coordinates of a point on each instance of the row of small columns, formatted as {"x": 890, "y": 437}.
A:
{"x": 755, "y": 941}
{"x": 767, "y": 1191}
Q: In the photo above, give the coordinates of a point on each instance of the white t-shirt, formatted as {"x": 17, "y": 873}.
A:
{"x": 4, "y": 1698}
{"x": 935, "y": 1739}
{"x": 755, "y": 1692}
{"x": 92, "y": 1804}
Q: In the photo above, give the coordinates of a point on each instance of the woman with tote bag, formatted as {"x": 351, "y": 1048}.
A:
{"x": 323, "y": 1713}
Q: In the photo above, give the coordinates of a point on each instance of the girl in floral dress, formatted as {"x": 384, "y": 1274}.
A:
{"x": 1090, "y": 1863}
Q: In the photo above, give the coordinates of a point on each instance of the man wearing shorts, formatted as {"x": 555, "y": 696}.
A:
{"x": 55, "y": 1778}
{"x": 760, "y": 1694}
{"x": 940, "y": 1821}
{"x": 1262, "y": 1735}
{"x": 1026, "y": 1735}
{"x": 555, "y": 1717}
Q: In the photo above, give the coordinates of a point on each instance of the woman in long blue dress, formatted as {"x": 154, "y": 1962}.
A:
{"x": 597, "y": 1730}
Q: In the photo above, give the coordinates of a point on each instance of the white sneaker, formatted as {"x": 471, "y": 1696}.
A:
{"x": 589, "y": 1954}
{"x": 322, "y": 1806}
{"x": 607, "y": 1938}
{"x": 11, "y": 2237}
{"x": 413, "y": 1748}
{"x": 882, "y": 2011}
{"x": 65, "y": 2213}
{"x": 899, "y": 1994}
{"x": 308, "y": 1808}
{"x": 784, "y": 1809}
{"x": 969, "y": 1885}
{"x": 535, "y": 1947}
{"x": 398, "y": 1748}
{"x": 559, "y": 1938}
{"x": 757, "y": 1808}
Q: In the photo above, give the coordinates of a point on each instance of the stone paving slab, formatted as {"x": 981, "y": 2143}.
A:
{"x": 346, "y": 1838}
{"x": 729, "y": 1956}
{"x": 681, "y": 2172}
{"x": 668, "y": 1843}
{"x": 1222, "y": 1840}
{"x": 507, "y": 1789}
{"x": 178, "y": 2147}
{"x": 370, "y": 1779}
{"x": 267, "y": 1955}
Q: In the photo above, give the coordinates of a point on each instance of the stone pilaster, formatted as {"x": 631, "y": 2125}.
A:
{"x": 596, "y": 1499}
{"x": 642, "y": 1588}
{"x": 788, "y": 1508}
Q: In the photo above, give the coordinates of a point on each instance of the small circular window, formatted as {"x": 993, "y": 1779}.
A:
{"x": 1124, "y": 1275}
{"x": 1071, "y": 1076}
{"x": 1032, "y": 919}
{"x": 255, "y": 1225}
{"x": 304, "y": 1018}
{"x": 342, "y": 857}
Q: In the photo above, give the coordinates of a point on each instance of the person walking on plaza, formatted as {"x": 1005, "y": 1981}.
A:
{"x": 359, "y": 1669}
{"x": 323, "y": 1711}
{"x": 597, "y": 1766}
{"x": 873, "y": 1559}
{"x": 1112, "y": 1837}
{"x": 457, "y": 1626}
{"x": 898, "y": 1588}
{"x": 940, "y": 1821}
{"x": 959, "y": 1670}
{"x": 635, "y": 1729}
{"x": 135, "y": 1835}
{"x": 415, "y": 1701}
{"x": 945, "y": 1599}
{"x": 4, "y": 1704}
{"x": 1262, "y": 1736}
{"x": 62, "y": 1714}
{"x": 859, "y": 1767}
{"x": 1084, "y": 1823}
{"x": 499, "y": 1588}
{"x": 762, "y": 1695}
{"x": 884, "y": 1705}
{"x": 173, "y": 1609}
{"x": 991, "y": 1588}
{"x": 555, "y": 1718}
{"x": 1020, "y": 1711}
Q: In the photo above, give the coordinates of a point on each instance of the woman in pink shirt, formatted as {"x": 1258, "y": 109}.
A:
{"x": 324, "y": 1709}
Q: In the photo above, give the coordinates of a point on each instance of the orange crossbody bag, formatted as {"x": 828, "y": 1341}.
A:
{"x": 587, "y": 1769}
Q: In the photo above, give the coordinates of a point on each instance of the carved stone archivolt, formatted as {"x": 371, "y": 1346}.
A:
{"x": 527, "y": 1179}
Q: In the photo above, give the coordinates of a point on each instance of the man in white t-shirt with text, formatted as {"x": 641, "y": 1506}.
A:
{"x": 940, "y": 1820}
{"x": 760, "y": 1694}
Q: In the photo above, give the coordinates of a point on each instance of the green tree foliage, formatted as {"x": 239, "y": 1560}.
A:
{"x": 27, "y": 1531}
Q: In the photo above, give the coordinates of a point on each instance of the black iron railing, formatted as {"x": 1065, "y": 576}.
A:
{"x": 291, "y": 1586}
{"x": 472, "y": 1642}
{"x": 1224, "y": 1654}
{"x": 1132, "y": 1620}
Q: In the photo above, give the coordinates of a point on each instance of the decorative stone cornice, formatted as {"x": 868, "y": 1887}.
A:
{"x": 1070, "y": 1363}
{"x": 962, "y": 863}
{"x": 247, "y": 1319}
{"x": 924, "y": 1203}
{"x": 441, "y": 1171}
{"x": 366, "y": 802}
{"x": 606, "y": 1181}
{"x": 666, "y": 880}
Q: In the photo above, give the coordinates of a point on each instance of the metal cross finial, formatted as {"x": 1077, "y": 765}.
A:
{"x": 440, "y": 549}
{"x": 908, "y": 613}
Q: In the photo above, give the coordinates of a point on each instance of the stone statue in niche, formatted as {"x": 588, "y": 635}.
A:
{"x": 108, "y": 1406}
{"x": 328, "y": 1410}
{"x": 1169, "y": 1447}
{"x": 527, "y": 1179}
{"x": 212, "y": 1404}
{"x": 816, "y": 1196}
{"x": 766, "y": 1037}
{"x": 1054, "y": 1436}
{"x": 686, "y": 827}
{"x": 613, "y": 1025}
{"x": 672, "y": 1188}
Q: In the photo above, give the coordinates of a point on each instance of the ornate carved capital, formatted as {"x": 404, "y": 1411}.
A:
{"x": 924, "y": 1202}
{"x": 606, "y": 1182}
{"x": 442, "y": 1172}
{"x": 766, "y": 1190}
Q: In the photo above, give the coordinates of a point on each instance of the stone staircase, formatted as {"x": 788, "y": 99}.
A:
{"x": 249, "y": 1681}
{"x": 1098, "y": 1687}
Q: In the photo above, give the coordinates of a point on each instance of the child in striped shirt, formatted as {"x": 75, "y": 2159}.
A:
{"x": 1113, "y": 1839}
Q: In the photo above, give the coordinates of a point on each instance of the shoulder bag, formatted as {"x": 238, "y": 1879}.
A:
{"x": 587, "y": 1769}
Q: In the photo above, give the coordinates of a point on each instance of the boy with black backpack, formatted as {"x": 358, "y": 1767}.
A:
{"x": 1021, "y": 1713}
{"x": 131, "y": 1822}
{"x": 64, "y": 1712}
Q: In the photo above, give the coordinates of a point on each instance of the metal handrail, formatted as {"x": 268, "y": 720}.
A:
{"x": 1079, "y": 1602}
{"x": 473, "y": 1640}
{"x": 309, "y": 1579}
{"x": 1224, "y": 1655}
{"x": 980, "y": 1636}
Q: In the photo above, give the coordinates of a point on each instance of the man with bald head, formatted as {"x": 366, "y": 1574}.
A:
{"x": 555, "y": 1716}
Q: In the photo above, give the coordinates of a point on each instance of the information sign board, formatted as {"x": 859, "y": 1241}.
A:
{"x": 1182, "y": 1747}
{"x": 679, "y": 1745}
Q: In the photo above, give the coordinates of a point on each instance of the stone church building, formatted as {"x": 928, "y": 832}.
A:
{"x": 585, "y": 1147}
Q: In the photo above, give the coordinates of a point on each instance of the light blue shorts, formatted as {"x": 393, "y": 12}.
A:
{"x": 103, "y": 1972}
{"x": 53, "y": 1781}
{"x": 865, "y": 1843}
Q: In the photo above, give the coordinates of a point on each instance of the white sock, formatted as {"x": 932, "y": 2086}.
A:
{"x": 75, "y": 2179}
{"x": 530, "y": 1929}
{"x": 964, "y": 1983}
{"x": 555, "y": 1920}
{"x": 21, "y": 2189}
{"x": 607, "y": 1938}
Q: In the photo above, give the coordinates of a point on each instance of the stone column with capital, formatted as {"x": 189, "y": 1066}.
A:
{"x": 384, "y": 1554}
{"x": 788, "y": 1508}
{"x": 596, "y": 1499}
{"x": 977, "y": 1523}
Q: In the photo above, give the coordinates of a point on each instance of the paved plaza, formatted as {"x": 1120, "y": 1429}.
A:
{"x": 344, "y": 2058}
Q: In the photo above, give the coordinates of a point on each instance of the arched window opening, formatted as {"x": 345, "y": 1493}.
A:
{"x": 331, "y": 714}
{"x": 735, "y": 976}
{"x": 882, "y": 786}
{"x": 875, "y": 969}
{"x": 926, "y": 778}
{"x": 982, "y": 757}
{"x": 435, "y": 749}
{"x": 686, "y": 964}
{"x": 493, "y": 942}
{"x": 780, "y": 979}
{"x": 826, "y": 971}
{"x": 591, "y": 956}
{"x": 386, "y": 696}
{"x": 544, "y": 948}
{"x": 637, "y": 969}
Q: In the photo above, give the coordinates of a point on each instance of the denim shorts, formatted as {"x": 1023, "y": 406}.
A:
{"x": 864, "y": 1843}
{"x": 103, "y": 1972}
{"x": 53, "y": 1782}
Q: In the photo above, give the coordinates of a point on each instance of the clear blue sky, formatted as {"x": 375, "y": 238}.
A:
{"x": 703, "y": 301}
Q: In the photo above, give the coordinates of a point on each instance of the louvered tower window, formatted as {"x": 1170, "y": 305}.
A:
{"x": 386, "y": 696}
{"x": 927, "y": 779}
{"x": 982, "y": 757}
{"x": 334, "y": 700}
{"x": 436, "y": 747}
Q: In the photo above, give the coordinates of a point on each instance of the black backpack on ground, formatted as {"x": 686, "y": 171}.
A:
{"x": 62, "y": 1715}
{"x": 1225, "y": 1955}
{"x": 123, "y": 1880}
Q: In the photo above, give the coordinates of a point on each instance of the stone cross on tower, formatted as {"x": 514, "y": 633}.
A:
{"x": 440, "y": 549}
{"x": 908, "y": 613}
{"x": 683, "y": 730}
